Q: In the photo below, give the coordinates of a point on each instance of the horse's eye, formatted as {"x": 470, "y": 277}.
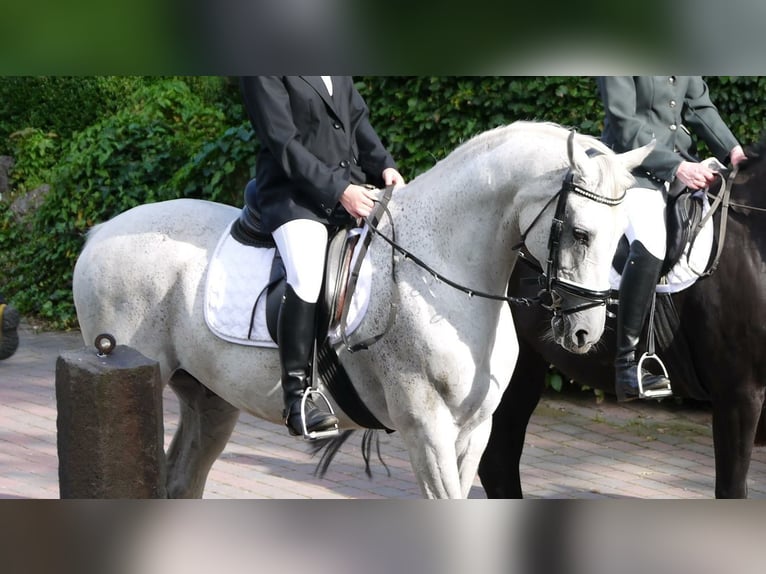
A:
{"x": 581, "y": 236}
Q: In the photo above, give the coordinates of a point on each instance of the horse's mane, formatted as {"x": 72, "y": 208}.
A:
{"x": 501, "y": 132}
{"x": 495, "y": 136}
{"x": 610, "y": 172}
{"x": 755, "y": 153}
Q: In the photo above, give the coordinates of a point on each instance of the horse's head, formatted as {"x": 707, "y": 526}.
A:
{"x": 577, "y": 249}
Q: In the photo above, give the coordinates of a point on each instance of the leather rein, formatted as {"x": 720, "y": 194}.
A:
{"x": 558, "y": 295}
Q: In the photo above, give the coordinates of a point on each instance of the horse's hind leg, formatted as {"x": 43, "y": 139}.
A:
{"x": 204, "y": 428}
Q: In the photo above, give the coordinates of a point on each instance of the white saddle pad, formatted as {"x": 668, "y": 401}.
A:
{"x": 691, "y": 265}
{"x": 237, "y": 275}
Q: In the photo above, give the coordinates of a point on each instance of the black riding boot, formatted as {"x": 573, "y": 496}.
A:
{"x": 295, "y": 334}
{"x": 639, "y": 279}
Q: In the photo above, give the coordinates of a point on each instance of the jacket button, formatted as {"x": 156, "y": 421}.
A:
{"x": 328, "y": 211}
{"x": 672, "y": 103}
{"x": 336, "y": 125}
{"x": 673, "y": 127}
{"x": 344, "y": 163}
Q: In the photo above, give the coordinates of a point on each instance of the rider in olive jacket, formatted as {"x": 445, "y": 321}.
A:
{"x": 667, "y": 109}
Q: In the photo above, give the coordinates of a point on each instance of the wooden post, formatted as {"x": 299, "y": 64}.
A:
{"x": 9, "y": 337}
{"x": 110, "y": 426}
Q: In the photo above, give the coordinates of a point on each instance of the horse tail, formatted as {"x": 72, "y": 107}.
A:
{"x": 331, "y": 446}
{"x": 92, "y": 231}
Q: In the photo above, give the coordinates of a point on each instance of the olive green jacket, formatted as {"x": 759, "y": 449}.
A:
{"x": 668, "y": 109}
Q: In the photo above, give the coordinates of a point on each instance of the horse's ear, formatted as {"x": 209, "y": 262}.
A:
{"x": 634, "y": 158}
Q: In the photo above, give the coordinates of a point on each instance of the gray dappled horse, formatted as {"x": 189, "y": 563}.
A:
{"x": 440, "y": 370}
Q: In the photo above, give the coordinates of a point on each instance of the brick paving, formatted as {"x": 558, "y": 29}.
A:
{"x": 575, "y": 447}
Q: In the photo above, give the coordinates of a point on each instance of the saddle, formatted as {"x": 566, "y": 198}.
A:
{"x": 683, "y": 214}
{"x": 247, "y": 229}
{"x": 684, "y": 221}
{"x": 338, "y": 286}
{"x": 682, "y": 217}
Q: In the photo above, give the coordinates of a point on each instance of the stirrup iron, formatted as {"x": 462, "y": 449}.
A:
{"x": 314, "y": 435}
{"x": 652, "y": 393}
{"x": 650, "y": 355}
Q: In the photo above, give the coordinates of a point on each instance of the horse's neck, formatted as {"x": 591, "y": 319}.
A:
{"x": 459, "y": 219}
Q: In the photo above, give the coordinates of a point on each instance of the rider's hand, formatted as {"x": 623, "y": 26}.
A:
{"x": 392, "y": 177}
{"x": 737, "y": 155}
{"x": 695, "y": 175}
{"x": 358, "y": 200}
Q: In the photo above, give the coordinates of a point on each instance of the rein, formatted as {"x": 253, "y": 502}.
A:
{"x": 372, "y": 222}
{"x": 722, "y": 200}
{"x": 438, "y": 276}
{"x": 557, "y": 290}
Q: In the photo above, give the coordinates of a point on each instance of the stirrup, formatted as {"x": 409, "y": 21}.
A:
{"x": 653, "y": 393}
{"x": 314, "y": 435}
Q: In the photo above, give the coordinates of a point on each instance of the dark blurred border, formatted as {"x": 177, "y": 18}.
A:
{"x": 381, "y": 537}
{"x": 234, "y": 37}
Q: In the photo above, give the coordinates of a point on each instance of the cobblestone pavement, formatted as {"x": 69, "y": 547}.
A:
{"x": 575, "y": 447}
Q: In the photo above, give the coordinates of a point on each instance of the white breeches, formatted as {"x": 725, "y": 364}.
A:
{"x": 302, "y": 243}
{"x": 645, "y": 209}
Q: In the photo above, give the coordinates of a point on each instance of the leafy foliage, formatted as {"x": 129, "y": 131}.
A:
{"x": 105, "y": 144}
{"x": 35, "y": 154}
{"x": 422, "y": 119}
{"x": 221, "y": 169}
{"x": 123, "y": 160}
{"x": 60, "y": 105}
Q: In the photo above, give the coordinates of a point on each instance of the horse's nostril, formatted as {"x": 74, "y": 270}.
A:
{"x": 582, "y": 336}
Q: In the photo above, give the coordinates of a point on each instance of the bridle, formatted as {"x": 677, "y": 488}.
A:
{"x": 558, "y": 295}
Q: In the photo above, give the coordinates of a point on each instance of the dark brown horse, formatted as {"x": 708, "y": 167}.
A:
{"x": 714, "y": 347}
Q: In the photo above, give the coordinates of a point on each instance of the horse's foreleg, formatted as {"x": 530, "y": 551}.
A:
{"x": 735, "y": 419}
{"x": 204, "y": 428}
{"x": 470, "y": 454}
{"x": 431, "y": 447}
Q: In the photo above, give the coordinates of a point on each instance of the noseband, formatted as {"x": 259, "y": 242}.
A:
{"x": 560, "y": 296}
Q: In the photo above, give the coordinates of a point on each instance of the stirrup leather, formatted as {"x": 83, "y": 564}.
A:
{"x": 314, "y": 435}
{"x": 653, "y": 393}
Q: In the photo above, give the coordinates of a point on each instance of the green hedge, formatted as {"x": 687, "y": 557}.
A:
{"x": 106, "y": 144}
{"x": 421, "y": 119}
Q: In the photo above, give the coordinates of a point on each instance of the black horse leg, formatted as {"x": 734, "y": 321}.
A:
{"x": 499, "y": 466}
{"x": 735, "y": 420}
{"x": 204, "y": 429}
